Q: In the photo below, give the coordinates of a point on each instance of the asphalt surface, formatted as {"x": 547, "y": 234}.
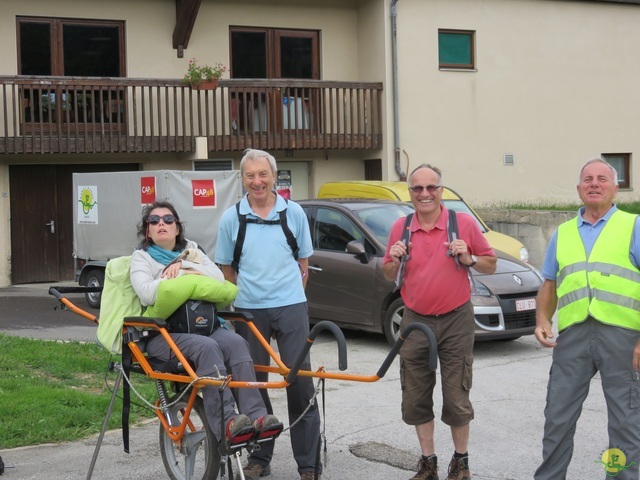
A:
{"x": 366, "y": 437}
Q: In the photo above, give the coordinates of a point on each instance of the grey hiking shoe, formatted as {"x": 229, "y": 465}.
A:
{"x": 239, "y": 432}
{"x": 427, "y": 469}
{"x": 459, "y": 469}
{"x": 267, "y": 427}
{"x": 253, "y": 471}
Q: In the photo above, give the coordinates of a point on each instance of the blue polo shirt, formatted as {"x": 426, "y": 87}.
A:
{"x": 269, "y": 276}
{"x": 589, "y": 234}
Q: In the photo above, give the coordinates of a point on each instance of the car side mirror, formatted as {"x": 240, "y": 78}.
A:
{"x": 356, "y": 247}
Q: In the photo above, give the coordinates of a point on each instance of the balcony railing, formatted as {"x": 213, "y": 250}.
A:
{"x": 119, "y": 115}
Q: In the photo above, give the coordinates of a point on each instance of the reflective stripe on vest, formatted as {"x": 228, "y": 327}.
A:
{"x": 605, "y": 286}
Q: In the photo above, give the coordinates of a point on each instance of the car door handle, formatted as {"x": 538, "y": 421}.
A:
{"x": 315, "y": 269}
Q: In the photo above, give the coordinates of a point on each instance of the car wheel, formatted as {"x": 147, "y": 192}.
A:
{"x": 95, "y": 278}
{"x": 392, "y": 320}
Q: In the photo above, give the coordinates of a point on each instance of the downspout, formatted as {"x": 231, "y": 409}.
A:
{"x": 394, "y": 73}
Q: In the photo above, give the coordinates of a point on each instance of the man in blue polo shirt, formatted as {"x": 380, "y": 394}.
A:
{"x": 271, "y": 274}
{"x": 592, "y": 277}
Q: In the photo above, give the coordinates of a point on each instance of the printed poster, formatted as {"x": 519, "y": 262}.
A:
{"x": 88, "y": 205}
{"x": 147, "y": 190}
{"x": 204, "y": 193}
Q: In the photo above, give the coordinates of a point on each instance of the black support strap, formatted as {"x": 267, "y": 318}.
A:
{"x": 127, "y": 359}
{"x": 242, "y": 232}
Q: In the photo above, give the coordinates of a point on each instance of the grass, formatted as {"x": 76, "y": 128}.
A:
{"x": 53, "y": 392}
{"x": 630, "y": 207}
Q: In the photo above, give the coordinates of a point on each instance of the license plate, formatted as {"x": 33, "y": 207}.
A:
{"x": 528, "y": 304}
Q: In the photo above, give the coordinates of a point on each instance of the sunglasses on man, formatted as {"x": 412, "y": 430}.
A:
{"x": 168, "y": 219}
{"x": 430, "y": 188}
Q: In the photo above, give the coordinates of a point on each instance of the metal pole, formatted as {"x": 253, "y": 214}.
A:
{"x": 105, "y": 423}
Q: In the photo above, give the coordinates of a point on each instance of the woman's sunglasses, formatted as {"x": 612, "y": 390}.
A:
{"x": 155, "y": 219}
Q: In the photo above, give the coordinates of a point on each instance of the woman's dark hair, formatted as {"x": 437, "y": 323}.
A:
{"x": 146, "y": 242}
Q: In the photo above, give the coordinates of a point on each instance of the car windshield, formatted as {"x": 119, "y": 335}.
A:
{"x": 380, "y": 217}
{"x": 460, "y": 207}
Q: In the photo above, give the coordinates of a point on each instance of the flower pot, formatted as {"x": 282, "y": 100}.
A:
{"x": 205, "y": 85}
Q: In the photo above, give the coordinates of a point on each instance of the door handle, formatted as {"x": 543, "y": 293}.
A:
{"x": 52, "y": 226}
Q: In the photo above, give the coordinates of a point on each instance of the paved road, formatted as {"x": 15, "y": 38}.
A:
{"x": 366, "y": 438}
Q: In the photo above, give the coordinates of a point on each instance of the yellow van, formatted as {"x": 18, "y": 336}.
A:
{"x": 400, "y": 191}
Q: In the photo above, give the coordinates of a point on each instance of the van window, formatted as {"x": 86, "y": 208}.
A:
{"x": 379, "y": 218}
{"x": 333, "y": 231}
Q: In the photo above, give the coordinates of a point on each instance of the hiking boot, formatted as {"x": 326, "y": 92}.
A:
{"x": 239, "y": 431}
{"x": 267, "y": 427}
{"x": 459, "y": 469}
{"x": 310, "y": 476}
{"x": 427, "y": 469}
{"x": 253, "y": 471}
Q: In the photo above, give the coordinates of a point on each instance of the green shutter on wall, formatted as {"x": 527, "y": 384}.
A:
{"x": 455, "y": 49}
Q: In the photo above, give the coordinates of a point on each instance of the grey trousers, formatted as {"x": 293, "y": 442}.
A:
{"x": 291, "y": 327}
{"x": 230, "y": 353}
{"x": 582, "y": 350}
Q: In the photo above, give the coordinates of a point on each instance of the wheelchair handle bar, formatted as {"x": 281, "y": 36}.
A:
{"x": 433, "y": 347}
{"x": 58, "y": 291}
{"x": 339, "y": 337}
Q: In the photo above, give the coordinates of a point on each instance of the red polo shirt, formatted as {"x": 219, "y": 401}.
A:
{"x": 432, "y": 283}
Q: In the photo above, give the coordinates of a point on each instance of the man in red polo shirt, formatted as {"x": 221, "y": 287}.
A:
{"x": 437, "y": 292}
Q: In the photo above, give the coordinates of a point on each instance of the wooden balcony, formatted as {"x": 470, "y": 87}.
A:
{"x": 124, "y": 115}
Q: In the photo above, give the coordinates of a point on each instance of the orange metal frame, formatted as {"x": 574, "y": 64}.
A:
{"x": 190, "y": 377}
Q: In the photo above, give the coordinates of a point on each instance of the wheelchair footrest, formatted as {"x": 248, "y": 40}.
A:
{"x": 270, "y": 433}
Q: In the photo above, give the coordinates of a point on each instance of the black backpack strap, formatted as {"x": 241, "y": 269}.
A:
{"x": 452, "y": 232}
{"x": 291, "y": 239}
{"x": 406, "y": 230}
{"x": 452, "y": 226}
{"x": 406, "y": 236}
{"x": 242, "y": 232}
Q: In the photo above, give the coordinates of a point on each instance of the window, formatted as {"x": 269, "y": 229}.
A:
{"x": 71, "y": 47}
{"x": 334, "y": 231}
{"x": 274, "y": 53}
{"x": 212, "y": 165}
{"x": 621, "y": 162}
{"x": 456, "y": 49}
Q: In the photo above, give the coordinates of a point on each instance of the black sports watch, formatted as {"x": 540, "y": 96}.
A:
{"x": 474, "y": 260}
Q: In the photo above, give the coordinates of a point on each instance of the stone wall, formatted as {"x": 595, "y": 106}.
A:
{"x": 532, "y": 227}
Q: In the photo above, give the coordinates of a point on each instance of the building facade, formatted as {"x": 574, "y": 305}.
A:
{"x": 508, "y": 97}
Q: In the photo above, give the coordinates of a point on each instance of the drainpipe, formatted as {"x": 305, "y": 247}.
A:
{"x": 394, "y": 62}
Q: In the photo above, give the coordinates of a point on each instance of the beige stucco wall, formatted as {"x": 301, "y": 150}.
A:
{"x": 555, "y": 85}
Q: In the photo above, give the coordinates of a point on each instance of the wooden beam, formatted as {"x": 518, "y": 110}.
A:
{"x": 186, "y": 14}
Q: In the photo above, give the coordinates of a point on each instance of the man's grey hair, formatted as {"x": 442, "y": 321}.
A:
{"x": 252, "y": 154}
{"x": 599, "y": 160}
{"x": 425, "y": 165}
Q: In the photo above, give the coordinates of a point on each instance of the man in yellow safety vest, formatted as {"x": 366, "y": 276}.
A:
{"x": 592, "y": 277}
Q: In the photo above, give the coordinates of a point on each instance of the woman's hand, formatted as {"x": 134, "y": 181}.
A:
{"x": 172, "y": 270}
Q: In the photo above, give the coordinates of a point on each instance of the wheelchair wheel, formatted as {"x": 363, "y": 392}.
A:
{"x": 198, "y": 457}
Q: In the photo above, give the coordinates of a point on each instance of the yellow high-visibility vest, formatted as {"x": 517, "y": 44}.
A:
{"x": 606, "y": 285}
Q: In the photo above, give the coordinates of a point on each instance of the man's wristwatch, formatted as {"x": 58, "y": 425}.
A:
{"x": 474, "y": 260}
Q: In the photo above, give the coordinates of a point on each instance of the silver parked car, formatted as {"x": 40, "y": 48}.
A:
{"x": 346, "y": 284}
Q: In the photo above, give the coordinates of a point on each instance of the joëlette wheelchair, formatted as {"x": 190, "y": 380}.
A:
{"x": 188, "y": 447}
